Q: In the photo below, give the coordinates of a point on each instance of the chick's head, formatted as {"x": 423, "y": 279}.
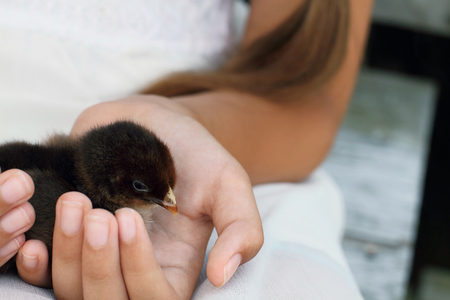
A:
{"x": 124, "y": 164}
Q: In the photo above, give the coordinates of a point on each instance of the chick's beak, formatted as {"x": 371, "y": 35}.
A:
{"x": 169, "y": 202}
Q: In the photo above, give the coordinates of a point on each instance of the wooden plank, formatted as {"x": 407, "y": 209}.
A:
{"x": 428, "y": 15}
{"x": 378, "y": 161}
{"x": 381, "y": 271}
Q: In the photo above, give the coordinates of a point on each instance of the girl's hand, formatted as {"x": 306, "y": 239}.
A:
{"x": 112, "y": 257}
{"x": 16, "y": 214}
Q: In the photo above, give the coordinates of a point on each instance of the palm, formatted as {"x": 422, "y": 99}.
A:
{"x": 179, "y": 248}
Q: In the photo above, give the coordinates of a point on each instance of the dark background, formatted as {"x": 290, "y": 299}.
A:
{"x": 426, "y": 55}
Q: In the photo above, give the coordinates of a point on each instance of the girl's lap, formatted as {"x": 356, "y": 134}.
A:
{"x": 301, "y": 258}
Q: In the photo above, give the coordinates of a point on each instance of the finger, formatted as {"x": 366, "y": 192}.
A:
{"x": 68, "y": 239}
{"x": 16, "y": 187}
{"x": 32, "y": 263}
{"x": 15, "y": 222}
{"x": 16, "y": 216}
{"x": 142, "y": 273}
{"x": 11, "y": 248}
{"x": 239, "y": 227}
{"x": 101, "y": 271}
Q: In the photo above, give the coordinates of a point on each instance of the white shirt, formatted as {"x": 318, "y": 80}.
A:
{"x": 200, "y": 27}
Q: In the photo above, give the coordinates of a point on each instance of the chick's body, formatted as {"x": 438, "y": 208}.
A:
{"x": 119, "y": 165}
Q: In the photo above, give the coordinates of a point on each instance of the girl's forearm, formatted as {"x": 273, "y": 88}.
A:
{"x": 272, "y": 141}
{"x": 278, "y": 141}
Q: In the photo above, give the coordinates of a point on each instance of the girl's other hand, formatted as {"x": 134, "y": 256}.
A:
{"x": 16, "y": 214}
{"x": 16, "y": 217}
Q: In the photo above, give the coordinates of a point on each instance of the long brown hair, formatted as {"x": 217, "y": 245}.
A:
{"x": 297, "y": 57}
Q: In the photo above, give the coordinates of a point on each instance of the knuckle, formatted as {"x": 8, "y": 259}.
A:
{"x": 66, "y": 259}
{"x": 17, "y": 220}
{"x": 254, "y": 240}
{"x": 96, "y": 276}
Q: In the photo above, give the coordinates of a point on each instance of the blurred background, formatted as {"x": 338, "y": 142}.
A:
{"x": 391, "y": 157}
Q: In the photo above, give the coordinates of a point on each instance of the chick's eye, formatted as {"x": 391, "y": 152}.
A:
{"x": 139, "y": 186}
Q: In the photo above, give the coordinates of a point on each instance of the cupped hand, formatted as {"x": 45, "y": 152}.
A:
{"x": 212, "y": 190}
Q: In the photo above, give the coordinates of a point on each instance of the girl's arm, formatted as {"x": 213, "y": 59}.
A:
{"x": 282, "y": 141}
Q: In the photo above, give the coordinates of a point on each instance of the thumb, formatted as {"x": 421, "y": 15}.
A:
{"x": 238, "y": 224}
{"x": 32, "y": 264}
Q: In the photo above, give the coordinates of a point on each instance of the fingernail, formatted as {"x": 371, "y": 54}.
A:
{"x": 15, "y": 188}
{"x": 15, "y": 220}
{"x": 231, "y": 267}
{"x": 30, "y": 262}
{"x": 10, "y": 248}
{"x": 127, "y": 224}
{"x": 97, "y": 231}
{"x": 71, "y": 217}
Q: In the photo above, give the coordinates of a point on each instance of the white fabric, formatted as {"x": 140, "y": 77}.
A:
{"x": 200, "y": 27}
{"x": 46, "y": 80}
{"x": 53, "y": 72}
{"x": 301, "y": 257}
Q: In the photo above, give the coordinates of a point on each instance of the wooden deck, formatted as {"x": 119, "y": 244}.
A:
{"x": 378, "y": 161}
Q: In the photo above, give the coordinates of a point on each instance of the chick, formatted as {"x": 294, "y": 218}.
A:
{"x": 119, "y": 165}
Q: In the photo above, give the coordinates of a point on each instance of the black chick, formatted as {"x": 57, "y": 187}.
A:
{"x": 119, "y": 165}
